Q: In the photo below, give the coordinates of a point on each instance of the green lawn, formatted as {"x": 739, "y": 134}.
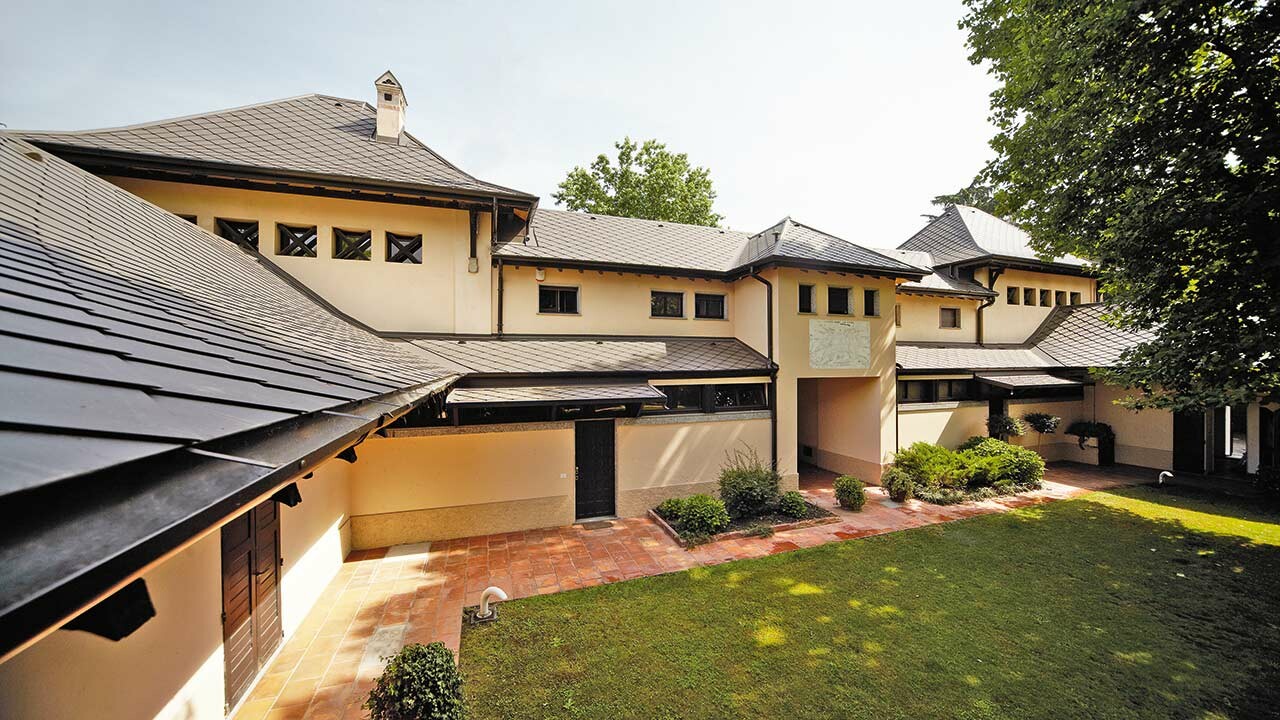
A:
{"x": 1130, "y": 604}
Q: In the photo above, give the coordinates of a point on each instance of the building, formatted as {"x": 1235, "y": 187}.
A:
{"x": 240, "y": 344}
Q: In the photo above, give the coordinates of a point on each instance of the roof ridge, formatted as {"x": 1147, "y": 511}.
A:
{"x": 180, "y": 118}
{"x": 584, "y": 213}
{"x": 873, "y": 251}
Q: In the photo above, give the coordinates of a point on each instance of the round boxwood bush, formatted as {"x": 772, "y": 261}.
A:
{"x": 748, "y": 487}
{"x": 792, "y": 504}
{"x": 850, "y": 492}
{"x": 671, "y": 509}
{"x": 703, "y": 515}
{"x": 898, "y": 484}
{"x": 420, "y": 681}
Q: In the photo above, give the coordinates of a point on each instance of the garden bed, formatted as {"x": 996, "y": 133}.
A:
{"x": 748, "y": 527}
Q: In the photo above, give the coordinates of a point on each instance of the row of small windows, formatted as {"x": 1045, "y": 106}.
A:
{"x": 839, "y": 301}
{"x": 561, "y": 300}
{"x": 1044, "y": 298}
{"x": 302, "y": 241}
{"x": 927, "y": 391}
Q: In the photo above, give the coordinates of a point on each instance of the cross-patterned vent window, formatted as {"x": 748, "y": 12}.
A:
{"x": 352, "y": 244}
{"x": 241, "y": 232}
{"x": 871, "y": 303}
{"x": 837, "y": 301}
{"x": 1013, "y": 295}
{"x": 708, "y": 306}
{"x": 1045, "y": 299}
{"x": 1075, "y": 298}
{"x": 404, "y": 248}
{"x": 553, "y": 300}
{"x": 666, "y": 304}
{"x": 1060, "y": 297}
{"x": 1028, "y": 296}
{"x": 297, "y": 241}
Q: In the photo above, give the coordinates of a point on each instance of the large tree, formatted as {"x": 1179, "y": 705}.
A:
{"x": 1145, "y": 136}
{"x": 648, "y": 181}
{"x": 976, "y": 195}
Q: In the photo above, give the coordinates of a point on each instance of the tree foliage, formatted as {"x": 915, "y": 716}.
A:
{"x": 976, "y": 195}
{"x": 648, "y": 181}
{"x": 1142, "y": 134}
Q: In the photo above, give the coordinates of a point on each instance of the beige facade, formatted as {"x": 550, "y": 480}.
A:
{"x": 921, "y": 319}
{"x": 1006, "y": 323}
{"x": 72, "y": 674}
{"x": 439, "y": 295}
{"x": 945, "y": 423}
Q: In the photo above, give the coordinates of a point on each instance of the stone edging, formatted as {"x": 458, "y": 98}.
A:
{"x": 670, "y": 531}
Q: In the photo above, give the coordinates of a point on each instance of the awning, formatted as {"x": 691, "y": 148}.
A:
{"x": 553, "y": 395}
{"x": 1025, "y": 381}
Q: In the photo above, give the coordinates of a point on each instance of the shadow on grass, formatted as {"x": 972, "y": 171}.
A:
{"x": 1115, "y": 605}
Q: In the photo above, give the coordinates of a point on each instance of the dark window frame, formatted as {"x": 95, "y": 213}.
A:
{"x": 740, "y": 397}
{"x": 834, "y": 291}
{"x": 1059, "y": 297}
{"x": 942, "y": 313}
{"x": 806, "y": 296}
{"x": 662, "y": 295}
{"x": 897, "y": 314}
{"x": 296, "y": 240}
{"x": 680, "y": 400}
{"x": 404, "y": 249}
{"x": 352, "y": 245}
{"x": 239, "y": 232}
{"x": 559, "y": 293}
{"x": 1029, "y": 297}
{"x": 1046, "y": 298}
{"x": 1013, "y": 295}
{"x": 870, "y": 296}
{"x": 925, "y": 388}
{"x": 698, "y": 299}
{"x": 1076, "y": 298}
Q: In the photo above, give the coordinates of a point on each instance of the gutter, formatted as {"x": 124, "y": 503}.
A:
{"x": 993, "y": 274}
{"x": 773, "y": 372}
{"x": 117, "y": 524}
{"x": 500, "y": 297}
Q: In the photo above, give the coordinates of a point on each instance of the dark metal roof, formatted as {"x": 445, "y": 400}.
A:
{"x": 1071, "y": 336}
{"x": 551, "y": 394}
{"x": 936, "y": 283}
{"x": 588, "y": 355}
{"x": 309, "y": 134}
{"x": 1020, "y": 381}
{"x": 964, "y": 233}
{"x": 616, "y": 242}
{"x": 129, "y": 339}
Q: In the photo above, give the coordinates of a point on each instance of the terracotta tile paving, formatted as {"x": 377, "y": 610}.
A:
{"x": 377, "y": 603}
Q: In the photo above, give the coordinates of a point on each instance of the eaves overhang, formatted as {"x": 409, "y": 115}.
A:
{"x": 113, "y": 525}
{"x": 1021, "y": 263}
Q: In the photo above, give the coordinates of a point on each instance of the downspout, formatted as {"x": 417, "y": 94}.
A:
{"x": 500, "y": 289}
{"x": 773, "y": 368}
{"x": 993, "y": 274}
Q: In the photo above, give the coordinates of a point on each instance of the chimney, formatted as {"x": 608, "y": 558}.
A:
{"x": 391, "y": 105}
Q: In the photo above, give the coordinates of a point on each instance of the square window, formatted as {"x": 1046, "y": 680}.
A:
{"x": 708, "y": 306}
{"x": 1060, "y": 297}
{"x": 897, "y": 315}
{"x": 243, "y": 233}
{"x": 914, "y": 391}
{"x": 666, "y": 304}
{"x": 837, "y": 301}
{"x": 1045, "y": 300}
{"x": 553, "y": 300}
{"x": 352, "y": 244}
{"x": 1075, "y": 298}
{"x": 806, "y": 299}
{"x": 1012, "y": 295}
{"x": 297, "y": 241}
{"x": 949, "y": 317}
{"x": 1028, "y": 296}
{"x": 871, "y": 303}
{"x": 404, "y": 248}
{"x": 954, "y": 390}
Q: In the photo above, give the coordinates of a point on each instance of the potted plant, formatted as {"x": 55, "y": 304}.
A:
{"x": 1002, "y": 427}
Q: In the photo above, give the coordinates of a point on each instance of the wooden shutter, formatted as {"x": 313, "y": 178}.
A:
{"x": 251, "y": 628}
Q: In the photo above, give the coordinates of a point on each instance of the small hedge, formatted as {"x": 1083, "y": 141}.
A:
{"x": 982, "y": 467}
{"x": 703, "y": 515}
{"x": 898, "y": 484}
{"x": 850, "y": 492}
{"x": 748, "y": 487}
{"x": 792, "y": 504}
{"x": 419, "y": 682}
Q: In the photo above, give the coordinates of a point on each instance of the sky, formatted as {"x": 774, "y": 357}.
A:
{"x": 847, "y": 116}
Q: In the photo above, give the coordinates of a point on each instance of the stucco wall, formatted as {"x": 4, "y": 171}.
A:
{"x": 475, "y": 481}
{"x": 438, "y": 295}
{"x": 171, "y": 667}
{"x": 1143, "y": 438}
{"x": 314, "y": 540}
{"x": 612, "y": 304}
{"x": 921, "y": 321}
{"x": 668, "y": 456}
{"x": 946, "y": 424}
{"x": 839, "y": 421}
{"x": 1003, "y": 322}
{"x": 1058, "y": 445}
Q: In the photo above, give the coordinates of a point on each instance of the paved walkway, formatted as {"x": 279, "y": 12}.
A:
{"x": 382, "y": 600}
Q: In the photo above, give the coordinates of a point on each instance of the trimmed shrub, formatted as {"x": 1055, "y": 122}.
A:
{"x": 792, "y": 504}
{"x": 1003, "y": 426}
{"x": 748, "y": 487}
{"x": 973, "y": 442}
{"x": 850, "y": 492}
{"x": 988, "y": 447}
{"x": 942, "y": 496}
{"x": 420, "y": 681}
{"x": 1084, "y": 429}
{"x": 1043, "y": 423}
{"x": 928, "y": 465}
{"x": 703, "y": 515}
{"x": 671, "y": 509}
{"x": 980, "y": 470}
{"x": 898, "y": 484}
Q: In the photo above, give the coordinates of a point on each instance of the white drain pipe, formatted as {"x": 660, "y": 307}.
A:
{"x": 493, "y": 592}
{"x": 1163, "y": 474}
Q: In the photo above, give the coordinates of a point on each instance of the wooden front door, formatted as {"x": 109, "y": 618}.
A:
{"x": 593, "y": 474}
{"x": 1188, "y": 441}
{"x": 251, "y": 628}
